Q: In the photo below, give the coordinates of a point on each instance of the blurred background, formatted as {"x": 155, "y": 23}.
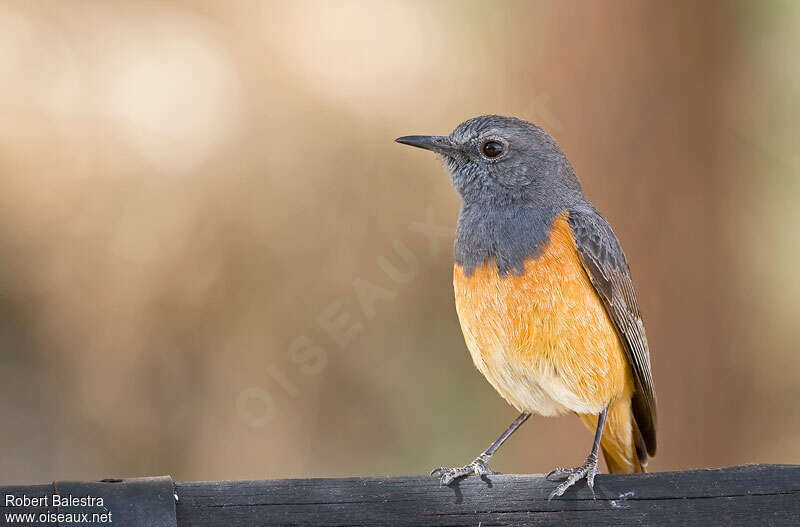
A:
{"x": 215, "y": 263}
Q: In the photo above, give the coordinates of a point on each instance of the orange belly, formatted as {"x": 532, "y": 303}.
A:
{"x": 543, "y": 339}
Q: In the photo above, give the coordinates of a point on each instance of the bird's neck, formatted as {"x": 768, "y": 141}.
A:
{"x": 507, "y": 234}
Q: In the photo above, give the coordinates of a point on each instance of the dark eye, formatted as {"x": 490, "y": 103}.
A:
{"x": 492, "y": 148}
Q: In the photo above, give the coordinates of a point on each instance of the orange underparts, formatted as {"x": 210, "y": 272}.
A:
{"x": 545, "y": 342}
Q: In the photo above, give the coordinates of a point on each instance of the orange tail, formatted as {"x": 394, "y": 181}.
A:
{"x": 618, "y": 442}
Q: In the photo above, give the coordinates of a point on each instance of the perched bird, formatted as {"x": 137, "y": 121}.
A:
{"x": 544, "y": 295}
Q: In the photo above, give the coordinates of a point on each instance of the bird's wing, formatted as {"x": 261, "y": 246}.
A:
{"x": 605, "y": 264}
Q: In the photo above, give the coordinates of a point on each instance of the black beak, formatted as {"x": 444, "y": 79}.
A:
{"x": 435, "y": 143}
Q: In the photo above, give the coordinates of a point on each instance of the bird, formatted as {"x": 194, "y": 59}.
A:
{"x": 544, "y": 296}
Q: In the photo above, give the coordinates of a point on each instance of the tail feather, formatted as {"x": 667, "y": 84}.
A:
{"x": 617, "y": 466}
{"x": 619, "y": 441}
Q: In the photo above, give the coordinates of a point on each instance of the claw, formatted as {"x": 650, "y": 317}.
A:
{"x": 559, "y": 473}
{"x": 588, "y": 470}
{"x": 479, "y": 467}
{"x": 482, "y": 469}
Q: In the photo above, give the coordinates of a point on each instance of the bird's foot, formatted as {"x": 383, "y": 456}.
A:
{"x": 479, "y": 467}
{"x": 588, "y": 470}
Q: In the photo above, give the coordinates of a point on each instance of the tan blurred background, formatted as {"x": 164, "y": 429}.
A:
{"x": 193, "y": 194}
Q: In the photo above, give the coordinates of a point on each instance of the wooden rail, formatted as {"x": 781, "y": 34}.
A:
{"x": 755, "y": 495}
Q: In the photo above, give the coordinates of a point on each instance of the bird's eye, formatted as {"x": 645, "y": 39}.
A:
{"x": 492, "y": 148}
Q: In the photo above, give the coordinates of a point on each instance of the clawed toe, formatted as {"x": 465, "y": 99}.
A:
{"x": 479, "y": 467}
{"x": 482, "y": 469}
{"x": 558, "y": 473}
{"x": 448, "y": 475}
{"x": 588, "y": 470}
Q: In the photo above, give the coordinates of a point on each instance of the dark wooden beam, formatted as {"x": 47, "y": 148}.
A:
{"x": 755, "y": 495}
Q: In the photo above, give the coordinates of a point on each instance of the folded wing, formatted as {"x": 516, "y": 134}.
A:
{"x": 605, "y": 264}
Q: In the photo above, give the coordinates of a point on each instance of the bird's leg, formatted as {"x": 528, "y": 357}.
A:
{"x": 589, "y": 468}
{"x": 480, "y": 466}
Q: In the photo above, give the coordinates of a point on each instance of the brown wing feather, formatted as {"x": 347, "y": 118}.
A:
{"x": 605, "y": 263}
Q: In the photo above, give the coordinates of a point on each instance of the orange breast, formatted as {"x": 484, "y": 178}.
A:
{"x": 543, "y": 339}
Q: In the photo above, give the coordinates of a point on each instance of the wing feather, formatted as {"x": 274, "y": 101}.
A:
{"x": 607, "y": 268}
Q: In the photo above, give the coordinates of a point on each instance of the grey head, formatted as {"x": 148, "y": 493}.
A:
{"x": 513, "y": 180}
{"x": 503, "y": 160}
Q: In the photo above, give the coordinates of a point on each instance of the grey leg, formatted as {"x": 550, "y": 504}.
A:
{"x": 480, "y": 466}
{"x": 588, "y": 470}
